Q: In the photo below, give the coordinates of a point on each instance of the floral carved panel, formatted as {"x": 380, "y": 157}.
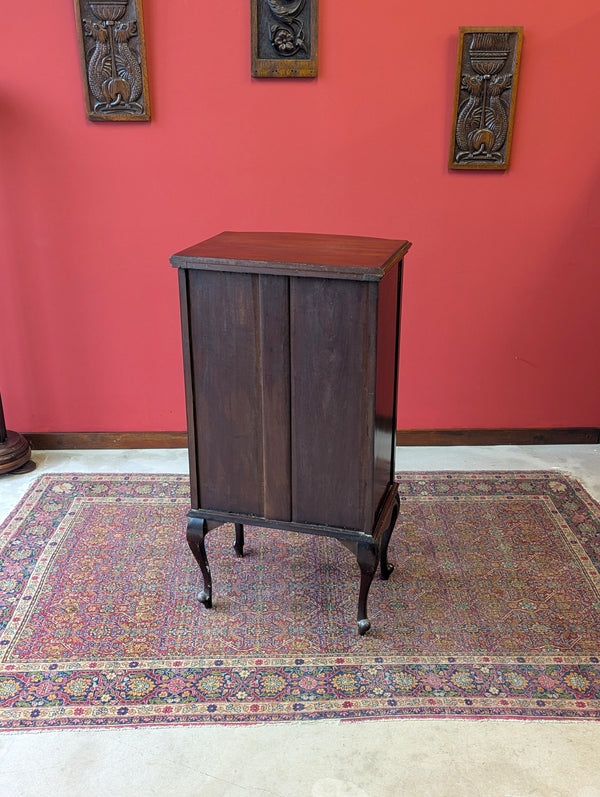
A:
{"x": 487, "y": 72}
{"x": 113, "y": 59}
{"x": 284, "y": 38}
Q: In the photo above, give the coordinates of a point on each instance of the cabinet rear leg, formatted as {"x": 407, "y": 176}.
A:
{"x": 239, "y": 540}
{"x": 367, "y": 554}
{"x": 386, "y": 567}
{"x": 197, "y": 530}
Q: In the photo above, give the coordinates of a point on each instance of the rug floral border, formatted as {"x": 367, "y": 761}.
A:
{"x": 50, "y": 694}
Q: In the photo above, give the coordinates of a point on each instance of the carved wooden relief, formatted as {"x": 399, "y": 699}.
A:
{"x": 284, "y": 38}
{"x": 113, "y": 59}
{"x": 484, "y": 98}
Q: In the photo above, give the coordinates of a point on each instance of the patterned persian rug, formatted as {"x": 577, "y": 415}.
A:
{"x": 493, "y": 609}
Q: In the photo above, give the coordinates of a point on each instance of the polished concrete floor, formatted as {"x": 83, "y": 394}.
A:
{"x": 417, "y": 758}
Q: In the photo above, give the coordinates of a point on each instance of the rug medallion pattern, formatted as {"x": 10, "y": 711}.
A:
{"x": 493, "y": 609}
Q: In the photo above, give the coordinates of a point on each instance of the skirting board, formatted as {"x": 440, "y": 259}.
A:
{"x": 404, "y": 437}
{"x": 497, "y": 437}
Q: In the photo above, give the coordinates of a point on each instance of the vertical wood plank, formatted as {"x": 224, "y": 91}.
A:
{"x": 225, "y": 328}
{"x": 332, "y": 437}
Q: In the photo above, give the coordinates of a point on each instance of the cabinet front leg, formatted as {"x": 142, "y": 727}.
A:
{"x": 386, "y": 568}
{"x": 239, "y": 540}
{"x": 197, "y": 530}
{"x": 367, "y": 554}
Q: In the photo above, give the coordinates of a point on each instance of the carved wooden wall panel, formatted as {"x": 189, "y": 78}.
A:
{"x": 487, "y": 71}
{"x": 113, "y": 59}
{"x": 284, "y": 38}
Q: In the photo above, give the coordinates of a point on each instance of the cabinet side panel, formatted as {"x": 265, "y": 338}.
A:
{"x": 188, "y": 370}
{"x": 275, "y": 388}
{"x": 385, "y": 385}
{"x": 331, "y": 434}
{"x": 225, "y": 332}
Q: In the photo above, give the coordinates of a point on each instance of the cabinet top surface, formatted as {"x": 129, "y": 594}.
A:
{"x": 294, "y": 254}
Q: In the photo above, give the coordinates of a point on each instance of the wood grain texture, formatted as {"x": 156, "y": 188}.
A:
{"x": 225, "y": 330}
{"x": 498, "y": 437}
{"x": 274, "y": 369}
{"x": 64, "y": 441}
{"x": 15, "y": 452}
{"x": 331, "y": 332}
{"x": 297, "y": 254}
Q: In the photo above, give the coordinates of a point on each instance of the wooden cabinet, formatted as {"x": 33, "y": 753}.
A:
{"x": 290, "y": 348}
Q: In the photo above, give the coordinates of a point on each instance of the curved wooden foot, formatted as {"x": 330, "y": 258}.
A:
{"x": 367, "y": 554}
{"x": 386, "y": 567}
{"x": 197, "y": 530}
{"x": 363, "y": 626}
{"x": 238, "y": 546}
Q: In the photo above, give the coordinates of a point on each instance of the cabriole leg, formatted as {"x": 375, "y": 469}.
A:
{"x": 386, "y": 567}
{"x": 367, "y": 554}
{"x": 197, "y": 530}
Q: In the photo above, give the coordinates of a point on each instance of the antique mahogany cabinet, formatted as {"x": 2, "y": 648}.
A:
{"x": 290, "y": 346}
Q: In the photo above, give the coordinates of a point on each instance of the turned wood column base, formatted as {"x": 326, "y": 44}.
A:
{"x": 15, "y": 454}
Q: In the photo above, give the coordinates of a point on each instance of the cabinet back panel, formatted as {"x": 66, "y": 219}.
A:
{"x": 241, "y": 408}
{"x": 331, "y": 340}
{"x": 225, "y": 334}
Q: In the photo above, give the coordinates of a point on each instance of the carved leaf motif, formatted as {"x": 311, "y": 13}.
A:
{"x": 106, "y": 68}
{"x": 285, "y": 12}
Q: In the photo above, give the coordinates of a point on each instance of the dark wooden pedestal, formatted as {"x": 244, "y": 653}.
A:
{"x": 290, "y": 351}
{"x": 15, "y": 451}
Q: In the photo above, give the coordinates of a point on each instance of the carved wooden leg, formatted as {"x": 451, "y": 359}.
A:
{"x": 239, "y": 540}
{"x": 367, "y": 554}
{"x": 386, "y": 567}
{"x": 197, "y": 530}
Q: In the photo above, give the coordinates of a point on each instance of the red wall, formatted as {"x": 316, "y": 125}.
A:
{"x": 501, "y": 318}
